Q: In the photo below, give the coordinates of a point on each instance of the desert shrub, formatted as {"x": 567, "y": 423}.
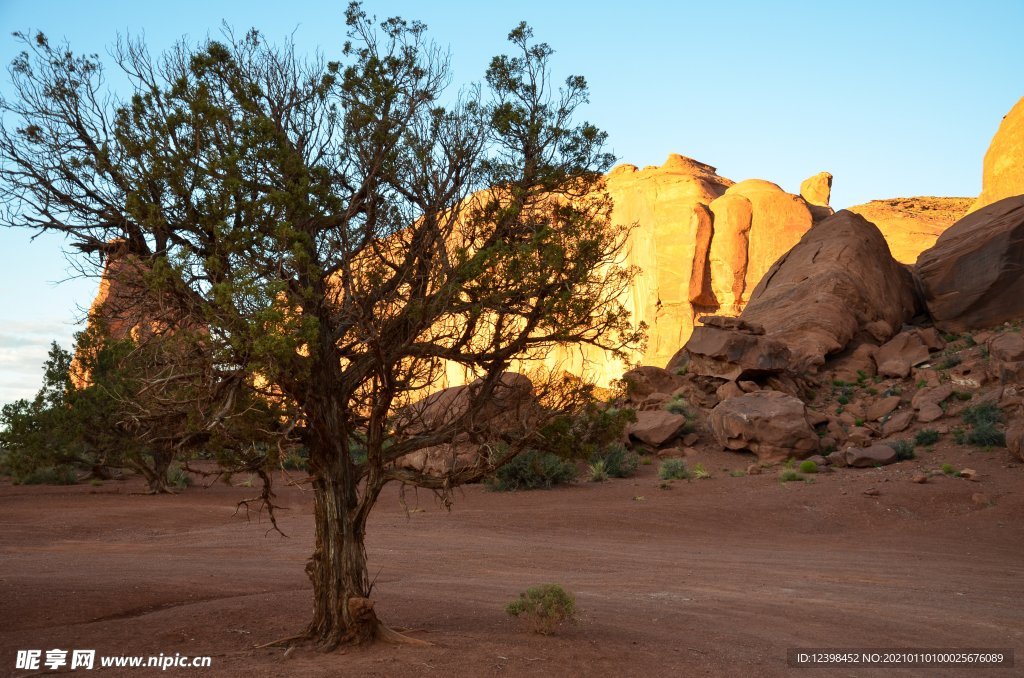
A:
{"x": 951, "y": 361}
{"x": 678, "y": 405}
{"x": 296, "y": 462}
{"x": 789, "y": 476}
{"x": 949, "y": 469}
{"x": 598, "y": 472}
{"x": 982, "y": 413}
{"x": 904, "y": 449}
{"x": 808, "y": 466}
{"x": 177, "y": 477}
{"x": 532, "y": 470}
{"x": 962, "y": 395}
{"x": 544, "y": 607}
{"x": 588, "y": 432}
{"x": 47, "y": 475}
{"x": 700, "y": 473}
{"x": 927, "y": 436}
{"x": 673, "y": 469}
{"x": 618, "y": 461}
{"x": 986, "y": 434}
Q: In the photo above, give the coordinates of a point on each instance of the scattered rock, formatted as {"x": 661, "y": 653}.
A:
{"x": 642, "y": 382}
{"x": 969, "y": 474}
{"x": 902, "y": 352}
{"x": 730, "y": 354}
{"x": 871, "y": 492}
{"x": 882, "y": 407}
{"x": 981, "y": 499}
{"x": 837, "y": 459}
{"x": 898, "y": 423}
{"x": 656, "y": 427}
{"x": 859, "y": 435}
{"x": 754, "y": 470}
{"x": 1008, "y": 347}
{"x": 770, "y": 424}
{"x": 920, "y": 478}
{"x": 869, "y": 457}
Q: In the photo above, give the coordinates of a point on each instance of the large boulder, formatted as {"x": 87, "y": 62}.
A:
{"x": 1003, "y": 169}
{"x": 656, "y": 427}
{"x": 731, "y": 353}
{"x": 869, "y": 457}
{"x": 839, "y": 279}
{"x": 770, "y": 424}
{"x": 912, "y": 225}
{"x": 973, "y": 277}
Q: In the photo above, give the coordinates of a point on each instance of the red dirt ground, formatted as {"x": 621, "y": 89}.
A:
{"x": 713, "y": 577}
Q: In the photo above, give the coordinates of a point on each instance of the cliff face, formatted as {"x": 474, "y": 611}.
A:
{"x": 1003, "y": 168}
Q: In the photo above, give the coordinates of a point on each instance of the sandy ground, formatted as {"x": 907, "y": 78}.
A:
{"x": 714, "y": 577}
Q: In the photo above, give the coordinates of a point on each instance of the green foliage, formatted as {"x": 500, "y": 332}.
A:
{"x": 789, "y": 476}
{"x": 983, "y": 413}
{"x": 808, "y": 466}
{"x": 950, "y": 470}
{"x": 927, "y": 436}
{"x": 597, "y": 472}
{"x": 986, "y": 434}
{"x": 921, "y": 383}
{"x": 904, "y": 449}
{"x": 589, "y": 433}
{"x": 843, "y": 400}
{"x": 949, "y": 362}
{"x": 700, "y": 473}
{"x": 47, "y": 475}
{"x": 178, "y": 477}
{"x": 673, "y": 469}
{"x": 532, "y": 470}
{"x": 544, "y": 607}
{"x": 617, "y": 461}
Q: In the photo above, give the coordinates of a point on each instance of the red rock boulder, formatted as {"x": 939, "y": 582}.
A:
{"x": 772, "y": 425}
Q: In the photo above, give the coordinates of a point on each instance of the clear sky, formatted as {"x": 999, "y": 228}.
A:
{"x": 893, "y": 98}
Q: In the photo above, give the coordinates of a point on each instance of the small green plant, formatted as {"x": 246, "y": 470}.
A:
{"x": 950, "y": 362}
{"x": 789, "y": 476}
{"x": 962, "y": 395}
{"x": 960, "y": 435}
{"x": 544, "y": 607}
{"x": 598, "y": 472}
{"x": 904, "y": 449}
{"x": 737, "y": 474}
{"x": 843, "y": 400}
{"x": 839, "y": 410}
{"x": 858, "y": 422}
{"x": 678, "y": 405}
{"x": 178, "y": 477}
{"x": 927, "y": 436}
{"x": 921, "y": 383}
{"x": 982, "y": 413}
{"x": 808, "y": 466}
{"x": 871, "y": 390}
{"x": 969, "y": 340}
{"x": 949, "y": 470}
{"x": 681, "y": 371}
{"x": 618, "y": 461}
{"x": 96, "y": 482}
{"x": 862, "y": 377}
{"x": 673, "y": 469}
{"x": 949, "y": 337}
{"x": 700, "y": 473}
{"x": 839, "y": 382}
{"x": 646, "y": 461}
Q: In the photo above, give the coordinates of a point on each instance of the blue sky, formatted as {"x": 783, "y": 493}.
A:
{"x": 893, "y": 98}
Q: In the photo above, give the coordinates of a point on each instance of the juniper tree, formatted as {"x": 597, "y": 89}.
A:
{"x": 347, "y": 231}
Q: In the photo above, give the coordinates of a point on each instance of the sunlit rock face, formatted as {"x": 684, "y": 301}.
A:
{"x": 912, "y": 225}
{"x": 1003, "y": 168}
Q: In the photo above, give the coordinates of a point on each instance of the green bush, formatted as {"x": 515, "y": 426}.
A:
{"x": 532, "y": 470}
{"x": 618, "y": 461}
{"x": 927, "y": 436}
{"x": 701, "y": 473}
{"x": 47, "y": 475}
{"x": 789, "y": 476}
{"x": 949, "y": 470}
{"x": 178, "y": 477}
{"x": 598, "y": 472}
{"x": 951, "y": 361}
{"x": 904, "y": 449}
{"x": 986, "y": 434}
{"x": 983, "y": 413}
{"x": 808, "y": 466}
{"x": 673, "y": 469}
{"x": 544, "y": 607}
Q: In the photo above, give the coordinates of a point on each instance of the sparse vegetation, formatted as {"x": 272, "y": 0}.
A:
{"x": 950, "y": 362}
{"x": 789, "y": 476}
{"x": 904, "y": 449}
{"x": 617, "y": 461}
{"x": 808, "y": 466}
{"x": 544, "y": 607}
{"x": 927, "y": 437}
{"x": 950, "y": 470}
{"x": 701, "y": 473}
{"x": 47, "y": 475}
{"x": 178, "y": 478}
{"x": 533, "y": 470}
{"x": 598, "y": 472}
{"x": 673, "y": 469}
{"x": 982, "y": 418}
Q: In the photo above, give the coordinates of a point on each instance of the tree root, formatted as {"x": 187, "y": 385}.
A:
{"x": 389, "y": 635}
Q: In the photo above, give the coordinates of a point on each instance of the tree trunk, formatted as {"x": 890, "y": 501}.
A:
{"x": 342, "y": 610}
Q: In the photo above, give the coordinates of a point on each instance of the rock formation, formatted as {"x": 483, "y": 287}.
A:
{"x": 912, "y": 225}
{"x": 770, "y": 424}
{"x": 838, "y": 280}
{"x": 973, "y": 277}
{"x": 817, "y": 190}
{"x": 1003, "y": 169}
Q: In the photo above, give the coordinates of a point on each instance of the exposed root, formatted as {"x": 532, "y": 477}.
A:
{"x": 282, "y": 641}
{"x": 389, "y": 635}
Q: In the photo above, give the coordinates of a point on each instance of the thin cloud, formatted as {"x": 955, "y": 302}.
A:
{"x": 24, "y": 346}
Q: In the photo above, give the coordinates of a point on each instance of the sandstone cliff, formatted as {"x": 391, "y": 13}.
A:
{"x": 912, "y": 225}
{"x": 1003, "y": 168}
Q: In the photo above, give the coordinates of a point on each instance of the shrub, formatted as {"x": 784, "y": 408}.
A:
{"x": 673, "y": 469}
{"x": 295, "y": 462}
{"x": 808, "y": 466}
{"x": 986, "y": 434}
{"x": 951, "y": 361}
{"x": 949, "y": 469}
{"x": 618, "y": 461}
{"x": 789, "y": 476}
{"x": 531, "y": 470}
{"x": 927, "y": 436}
{"x": 47, "y": 475}
{"x": 544, "y": 607}
{"x": 178, "y": 477}
{"x": 983, "y": 413}
{"x": 700, "y": 473}
{"x": 598, "y": 472}
{"x": 904, "y": 449}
